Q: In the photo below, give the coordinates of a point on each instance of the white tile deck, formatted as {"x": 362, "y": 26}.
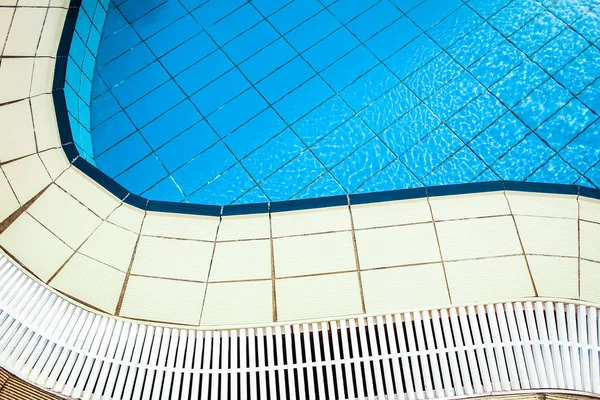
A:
{"x": 17, "y": 138}
{"x": 318, "y": 296}
{"x": 35, "y": 247}
{"x": 64, "y": 216}
{"x": 590, "y": 276}
{"x": 111, "y": 245}
{"x": 180, "y": 226}
{"x": 15, "y": 78}
{"x": 254, "y": 226}
{"x": 558, "y": 237}
{"x": 235, "y": 261}
{"x": 311, "y": 221}
{"x": 84, "y": 189}
{"x": 589, "y": 209}
{"x": 172, "y": 258}
{"x": 476, "y": 238}
{"x": 555, "y": 277}
{"x": 164, "y": 300}
{"x": 8, "y": 200}
{"x": 489, "y": 280}
{"x": 25, "y": 32}
{"x": 541, "y": 204}
{"x": 590, "y": 239}
{"x": 127, "y": 217}
{"x": 469, "y": 206}
{"x": 314, "y": 254}
{"x": 317, "y": 244}
{"x": 238, "y": 303}
{"x": 405, "y": 288}
{"x": 391, "y": 213}
{"x": 44, "y": 122}
{"x": 27, "y": 176}
{"x": 79, "y": 272}
{"x": 402, "y": 245}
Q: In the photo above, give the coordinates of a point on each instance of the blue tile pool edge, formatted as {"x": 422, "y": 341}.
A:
{"x": 75, "y": 159}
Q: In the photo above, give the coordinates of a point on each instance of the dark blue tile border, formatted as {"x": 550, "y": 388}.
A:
{"x": 120, "y": 192}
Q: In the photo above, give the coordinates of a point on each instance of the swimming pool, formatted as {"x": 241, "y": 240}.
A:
{"x": 234, "y": 101}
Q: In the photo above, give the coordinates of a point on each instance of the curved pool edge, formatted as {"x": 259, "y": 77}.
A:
{"x": 56, "y": 221}
{"x": 84, "y": 165}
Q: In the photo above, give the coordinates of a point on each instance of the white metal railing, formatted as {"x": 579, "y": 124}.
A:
{"x": 431, "y": 354}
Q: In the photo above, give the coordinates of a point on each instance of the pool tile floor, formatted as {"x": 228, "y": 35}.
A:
{"x": 235, "y": 101}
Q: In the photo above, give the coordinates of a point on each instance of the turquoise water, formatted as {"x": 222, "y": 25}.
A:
{"x": 234, "y": 101}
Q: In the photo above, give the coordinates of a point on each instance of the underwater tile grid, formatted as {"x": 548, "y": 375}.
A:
{"x": 235, "y": 101}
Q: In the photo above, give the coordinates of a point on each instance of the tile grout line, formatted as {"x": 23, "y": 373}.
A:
{"x": 273, "y": 274}
{"x": 3, "y": 174}
{"x": 578, "y": 247}
{"x": 6, "y": 223}
{"x": 8, "y": 31}
{"x": 76, "y": 250}
{"x": 129, "y": 268}
{"x": 437, "y": 239}
{"x": 37, "y": 47}
{"x": 356, "y": 259}
{"x": 535, "y": 291}
{"x": 212, "y": 259}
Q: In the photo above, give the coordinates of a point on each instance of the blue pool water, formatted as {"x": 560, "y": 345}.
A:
{"x": 235, "y": 101}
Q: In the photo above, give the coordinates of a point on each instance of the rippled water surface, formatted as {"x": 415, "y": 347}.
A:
{"x": 235, "y": 101}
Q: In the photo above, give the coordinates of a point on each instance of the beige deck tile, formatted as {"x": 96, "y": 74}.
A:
{"x": 91, "y": 282}
{"x": 401, "y": 212}
{"x": 87, "y": 191}
{"x": 590, "y": 240}
{"x": 44, "y": 121}
{"x": 238, "y": 303}
{"x": 469, "y": 206}
{"x": 542, "y": 204}
{"x": 318, "y": 297}
{"x": 43, "y": 73}
{"x": 549, "y": 236}
{"x": 394, "y": 290}
{"x": 15, "y": 78}
{"x": 180, "y": 226}
{"x": 112, "y": 245}
{"x": 55, "y": 20}
{"x": 55, "y": 162}
{"x": 314, "y": 254}
{"x": 310, "y": 221}
{"x": 590, "y": 278}
{"x": 235, "y": 261}
{"x": 163, "y": 300}
{"x": 127, "y": 217}
{"x": 33, "y": 3}
{"x": 35, "y": 247}
{"x": 489, "y": 280}
{"x": 6, "y": 15}
{"x": 403, "y": 245}
{"x": 589, "y": 209}
{"x": 25, "y": 32}
{"x": 172, "y": 258}
{"x": 8, "y": 201}
{"x": 17, "y": 138}
{"x": 555, "y": 277}
{"x": 475, "y": 238}
{"x": 27, "y": 176}
{"x": 239, "y": 227}
{"x": 64, "y": 216}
